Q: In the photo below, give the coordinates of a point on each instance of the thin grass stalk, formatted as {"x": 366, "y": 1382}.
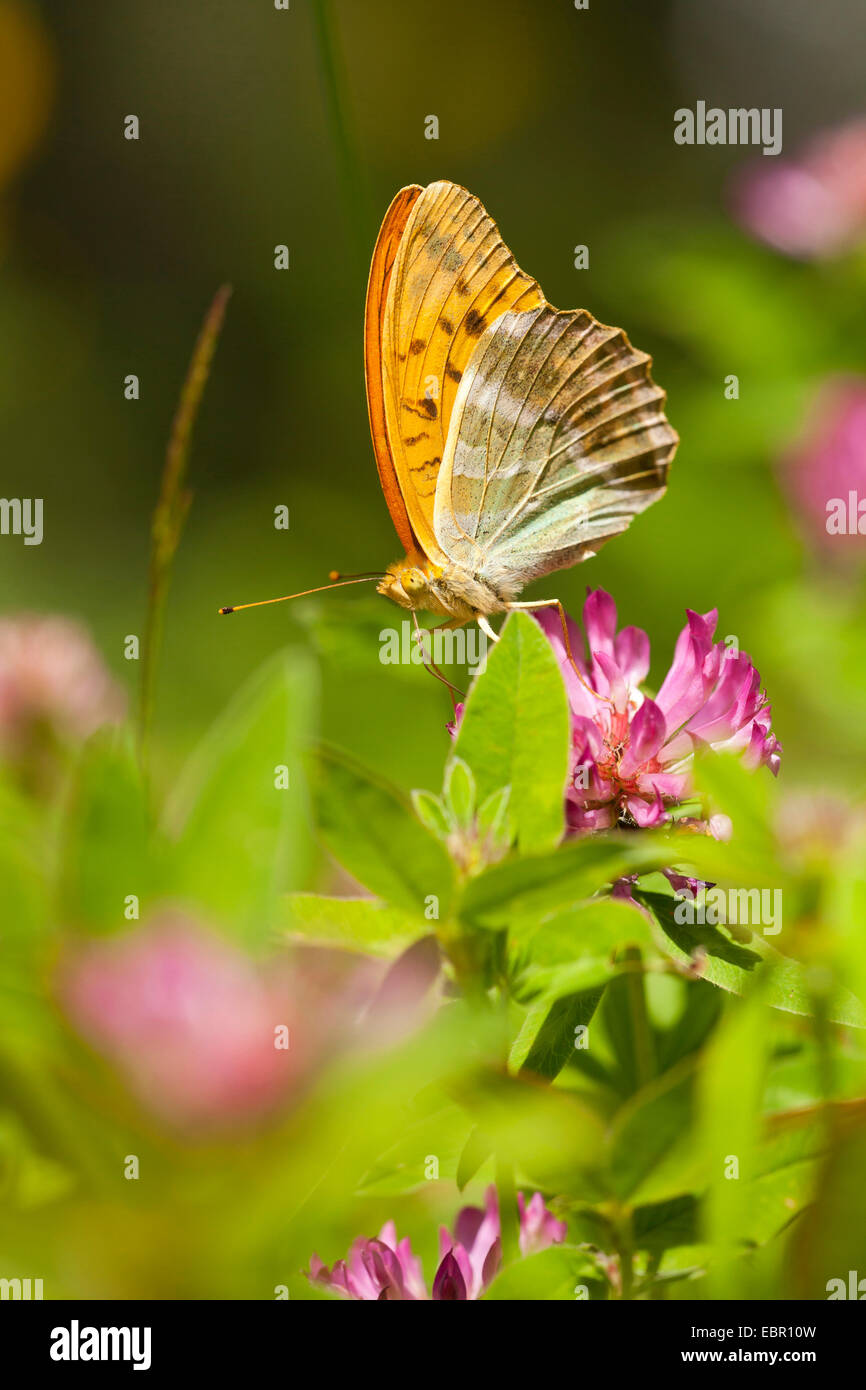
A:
{"x": 171, "y": 509}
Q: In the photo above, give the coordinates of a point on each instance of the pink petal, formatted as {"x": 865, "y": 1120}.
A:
{"x": 646, "y": 736}
{"x": 644, "y": 815}
{"x": 632, "y": 652}
{"x": 686, "y": 684}
{"x": 449, "y": 1285}
{"x": 599, "y": 621}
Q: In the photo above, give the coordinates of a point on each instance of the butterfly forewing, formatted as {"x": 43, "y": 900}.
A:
{"x": 558, "y": 439}
{"x": 453, "y": 276}
{"x": 381, "y": 267}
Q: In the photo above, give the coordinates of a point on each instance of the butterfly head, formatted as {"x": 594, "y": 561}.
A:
{"x": 417, "y": 582}
{"x": 408, "y": 583}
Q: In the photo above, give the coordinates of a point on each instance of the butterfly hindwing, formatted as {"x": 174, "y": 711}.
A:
{"x": 558, "y": 439}
{"x": 452, "y": 277}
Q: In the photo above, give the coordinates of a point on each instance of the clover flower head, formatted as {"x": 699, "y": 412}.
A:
{"x": 811, "y": 207}
{"x": 632, "y": 756}
{"x": 825, "y": 471}
{"x": 469, "y": 1259}
{"x": 51, "y": 675}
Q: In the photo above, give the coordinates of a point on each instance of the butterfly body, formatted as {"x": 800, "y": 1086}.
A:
{"x": 451, "y": 592}
{"x": 512, "y": 438}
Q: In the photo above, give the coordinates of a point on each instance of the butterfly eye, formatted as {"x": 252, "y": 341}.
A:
{"x": 413, "y": 581}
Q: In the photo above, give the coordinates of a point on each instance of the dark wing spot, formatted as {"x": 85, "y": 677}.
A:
{"x": 452, "y": 260}
{"x": 474, "y": 323}
{"x": 426, "y": 408}
{"x": 414, "y": 438}
{"x": 462, "y": 287}
{"x": 429, "y": 467}
{"x": 417, "y": 345}
{"x": 453, "y": 374}
{"x": 447, "y": 326}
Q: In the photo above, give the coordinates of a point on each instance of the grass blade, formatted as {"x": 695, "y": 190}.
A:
{"x": 172, "y": 507}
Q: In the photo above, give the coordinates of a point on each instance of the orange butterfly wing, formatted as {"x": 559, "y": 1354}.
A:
{"x": 452, "y": 276}
{"x": 381, "y": 267}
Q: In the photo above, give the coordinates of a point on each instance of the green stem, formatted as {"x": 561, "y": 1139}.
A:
{"x": 642, "y": 1040}
{"x": 509, "y": 1219}
{"x": 171, "y": 509}
{"x": 822, "y": 1029}
{"x": 625, "y": 1251}
{"x": 462, "y": 952}
{"x": 649, "y": 1283}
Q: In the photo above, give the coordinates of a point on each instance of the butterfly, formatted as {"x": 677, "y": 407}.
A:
{"x": 512, "y": 439}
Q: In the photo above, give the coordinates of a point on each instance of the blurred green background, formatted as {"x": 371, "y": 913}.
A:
{"x": 261, "y": 127}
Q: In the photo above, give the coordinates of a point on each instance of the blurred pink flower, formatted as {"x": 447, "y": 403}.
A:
{"x": 825, "y": 472}
{"x": 206, "y": 1036}
{"x": 538, "y": 1226}
{"x": 819, "y": 826}
{"x": 632, "y": 756}
{"x": 813, "y": 207}
{"x": 468, "y": 1261}
{"x": 51, "y": 675}
{"x": 189, "y": 1020}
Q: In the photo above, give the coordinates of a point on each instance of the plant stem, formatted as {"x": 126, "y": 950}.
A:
{"x": 625, "y": 1251}
{"x": 509, "y": 1221}
{"x": 642, "y": 1042}
{"x": 172, "y": 507}
{"x": 652, "y": 1269}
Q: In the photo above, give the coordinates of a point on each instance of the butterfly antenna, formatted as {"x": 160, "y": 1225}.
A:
{"x": 336, "y": 577}
{"x": 337, "y": 582}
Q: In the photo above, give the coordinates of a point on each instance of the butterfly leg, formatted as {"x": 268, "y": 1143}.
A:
{"x": 555, "y": 603}
{"x": 420, "y": 634}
